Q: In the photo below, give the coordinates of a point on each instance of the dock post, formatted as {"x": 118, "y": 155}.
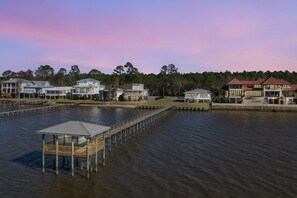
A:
{"x": 103, "y": 151}
{"x": 96, "y": 154}
{"x": 64, "y": 141}
{"x": 57, "y": 155}
{"x": 88, "y": 159}
{"x": 72, "y": 157}
{"x": 43, "y": 157}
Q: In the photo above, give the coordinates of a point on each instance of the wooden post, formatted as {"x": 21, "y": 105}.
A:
{"x": 103, "y": 151}
{"x": 43, "y": 157}
{"x": 57, "y": 155}
{"x": 54, "y": 160}
{"x": 64, "y": 142}
{"x": 96, "y": 154}
{"x": 72, "y": 157}
{"x": 88, "y": 159}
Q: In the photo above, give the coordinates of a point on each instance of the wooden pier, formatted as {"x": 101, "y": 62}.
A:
{"x": 121, "y": 131}
{"x": 35, "y": 110}
{"x": 85, "y": 140}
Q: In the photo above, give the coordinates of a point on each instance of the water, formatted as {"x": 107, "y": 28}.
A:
{"x": 188, "y": 154}
{"x": 4, "y": 108}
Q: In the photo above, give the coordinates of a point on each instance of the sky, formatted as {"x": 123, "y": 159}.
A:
{"x": 194, "y": 35}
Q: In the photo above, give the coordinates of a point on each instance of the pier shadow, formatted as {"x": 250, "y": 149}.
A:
{"x": 32, "y": 160}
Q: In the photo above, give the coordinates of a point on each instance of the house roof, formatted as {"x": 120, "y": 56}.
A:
{"x": 198, "y": 91}
{"x": 75, "y": 128}
{"x": 235, "y": 81}
{"x": 259, "y": 81}
{"x": 16, "y": 80}
{"x": 39, "y": 84}
{"x": 274, "y": 81}
{"x": 85, "y": 86}
{"x": 86, "y": 80}
{"x": 268, "y": 81}
{"x": 293, "y": 87}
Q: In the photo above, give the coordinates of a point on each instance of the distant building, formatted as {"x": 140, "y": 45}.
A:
{"x": 35, "y": 89}
{"x": 198, "y": 95}
{"x": 87, "y": 89}
{"x": 137, "y": 93}
{"x": 270, "y": 91}
{"x": 110, "y": 94}
{"x": 13, "y": 88}
{"x": 58, "y": 92}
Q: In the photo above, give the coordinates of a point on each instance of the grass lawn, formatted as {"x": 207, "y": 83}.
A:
{"x": 161, "y": 102}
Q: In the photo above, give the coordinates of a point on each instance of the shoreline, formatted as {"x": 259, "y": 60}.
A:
{"x": 179, "y": 106}
{"x": 243, "y": 107}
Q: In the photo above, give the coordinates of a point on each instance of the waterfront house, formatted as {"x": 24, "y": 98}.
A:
{"x": 58, "y": 92}
{"x": 198, "y": 95}
{"x": 87, "y": 89}
{"x": 136, "y": 93}
{"x": 35, "y": 89}
{"x": 13, "y": 88}
{"x": 260, "y": 91}
{"x": 111, "y": 94}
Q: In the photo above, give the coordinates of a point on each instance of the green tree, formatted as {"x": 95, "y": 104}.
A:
{"x": 94, "y": 72}
{"x": 9, "y": 74}
{"x": 44, "y": 72}
{"x": 119, "y": 70}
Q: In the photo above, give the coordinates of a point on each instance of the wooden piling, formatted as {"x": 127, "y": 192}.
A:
{"x": 103, "y": 151}
{"x": 88, "y": 159}
{"x": 96, "y": 153}
{"x": 57, "y": 155}
{"x": 43, "y": 155}
{"x": 72, "y": 157}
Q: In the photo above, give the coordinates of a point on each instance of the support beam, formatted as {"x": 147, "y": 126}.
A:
{"x": 43, "y": 154}
{"x": 72, "y": 156}
{"x": 103, "y": 151}
{"x": 88, "y": 159}
{"x": 96, "y": 153}
{"x": 57, "y": 155}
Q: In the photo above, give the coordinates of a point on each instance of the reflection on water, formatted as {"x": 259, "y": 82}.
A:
{"x": 187, "y": 154}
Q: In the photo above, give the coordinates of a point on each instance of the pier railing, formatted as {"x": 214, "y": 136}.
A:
{"x": 20, "y": 112}
{"x": 136, "y": 119}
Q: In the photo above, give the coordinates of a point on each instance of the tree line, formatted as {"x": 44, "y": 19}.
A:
{"x": 168, "y": 82}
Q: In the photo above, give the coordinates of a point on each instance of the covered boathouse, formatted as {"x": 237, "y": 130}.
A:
{"x": 74, "y": 139}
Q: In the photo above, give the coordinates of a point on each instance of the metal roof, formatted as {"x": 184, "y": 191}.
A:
{"x": 86, "y": 80}
{"x": 198, "y": 91}
{"x": 75, "y": 128}
{"x": 16, "y": 80}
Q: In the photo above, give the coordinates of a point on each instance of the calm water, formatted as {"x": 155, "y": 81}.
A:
{"x": 4, "y": 108}
{"x": 187, "y": 154}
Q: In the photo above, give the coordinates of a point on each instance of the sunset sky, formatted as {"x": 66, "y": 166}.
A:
{"x": 196, "y": 36}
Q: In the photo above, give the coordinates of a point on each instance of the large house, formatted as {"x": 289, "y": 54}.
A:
{"x": 137, "y": 93}
{"x": 58, "y": 92}
{"x": 198, "y": 95}
{"x": 269, "y": 91}
{"x": 21, "y": 88}
{"x": 35, "y": 89}
{"x": 87, "y": 89}
{"x": 13, "y": 88}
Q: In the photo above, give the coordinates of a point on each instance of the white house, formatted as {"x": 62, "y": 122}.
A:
{"x": 13, "y": 87}
{"x": 35, "y": 89}
{"x": 136, "y": 93}
{"x": 87, "y": 89}
{"x": 198, "y": 95}
{"x": 58, "y": 92}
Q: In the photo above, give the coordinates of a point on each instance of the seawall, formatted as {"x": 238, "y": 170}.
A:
{"x": 243, "y": 107}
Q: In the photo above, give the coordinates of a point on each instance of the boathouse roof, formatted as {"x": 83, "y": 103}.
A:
{"x": 75, "y": 128}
